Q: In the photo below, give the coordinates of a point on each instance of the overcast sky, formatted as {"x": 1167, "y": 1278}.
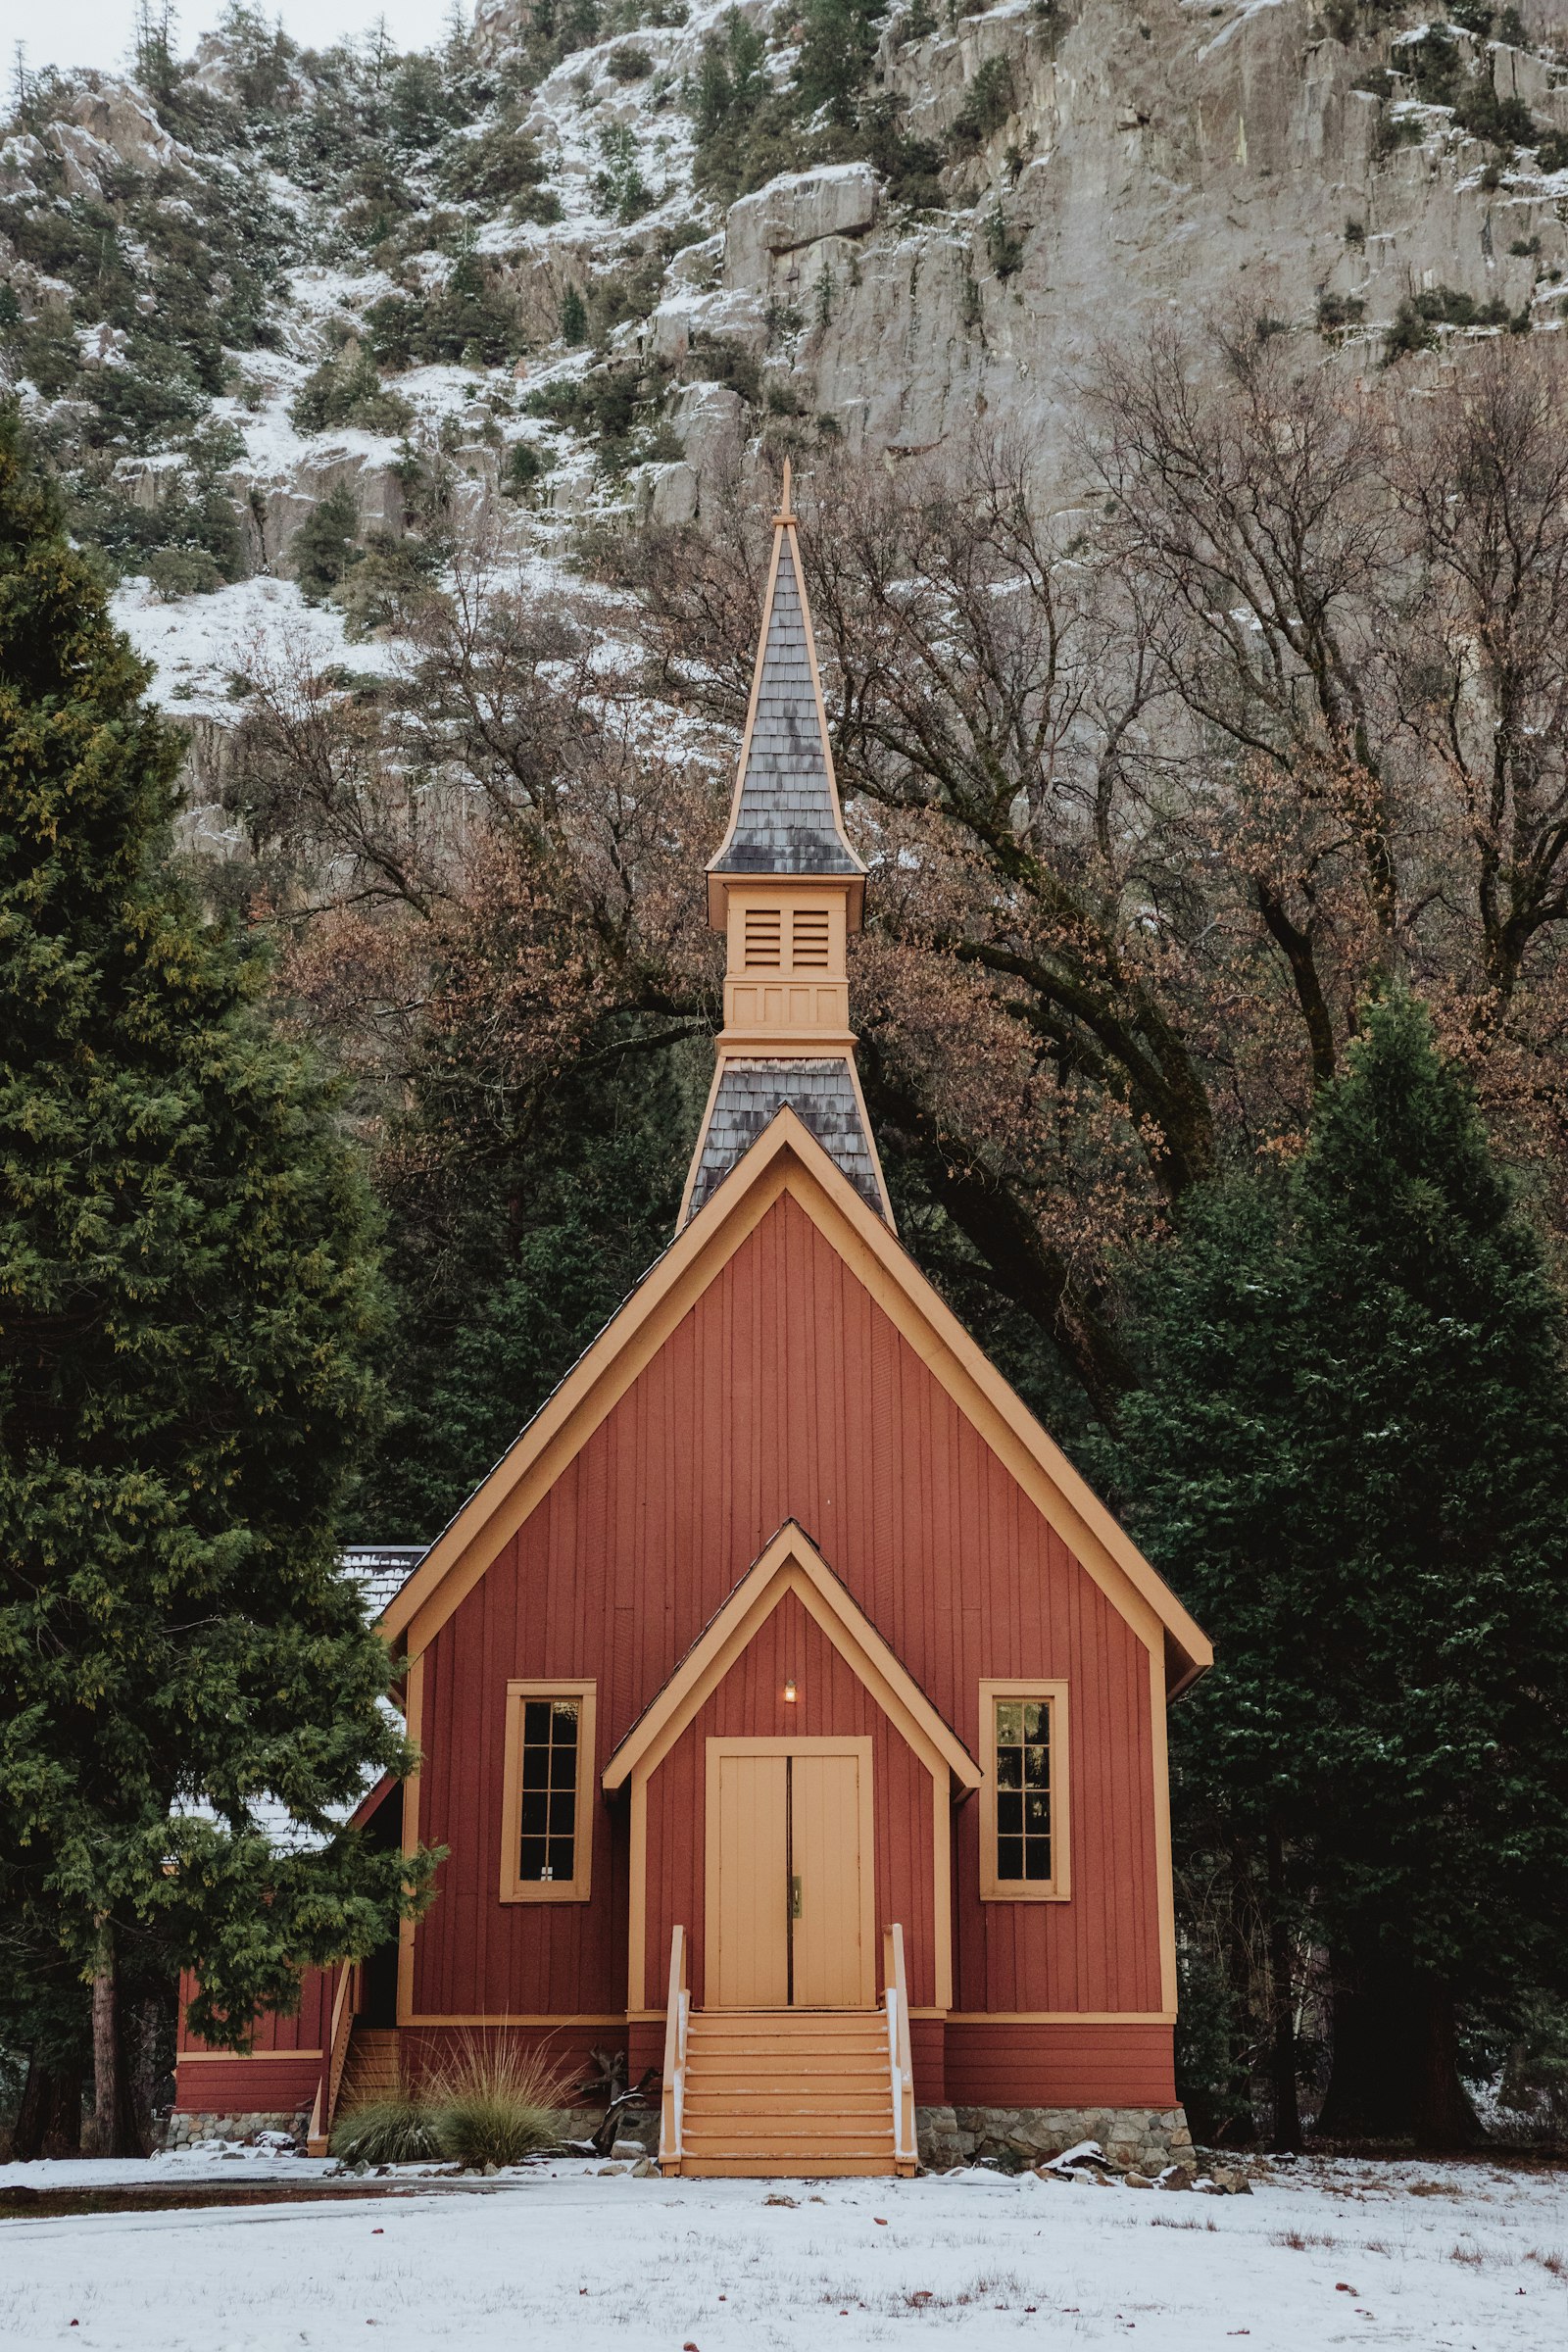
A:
{"x": 98, "y": 32}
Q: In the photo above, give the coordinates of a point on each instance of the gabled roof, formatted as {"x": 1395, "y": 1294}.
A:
{"x": 788, "y": 1159}
{"x": 789, "y": 1564}
{"x": 784, "y": 819}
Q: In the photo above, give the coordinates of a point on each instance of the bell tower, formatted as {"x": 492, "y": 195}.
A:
{"x": 787, "y": 890}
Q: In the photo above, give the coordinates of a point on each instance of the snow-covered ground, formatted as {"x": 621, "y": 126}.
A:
{"x": 1473, "y": 2258}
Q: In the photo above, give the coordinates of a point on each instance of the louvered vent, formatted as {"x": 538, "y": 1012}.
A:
{"x": 809, "y": 939}
{"x": 764, "y": 939}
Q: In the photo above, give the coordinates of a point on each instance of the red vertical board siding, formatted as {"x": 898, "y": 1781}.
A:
{"x": 786, "y": 1392}
{"x": 305, "y": 2030}
{"x": 747, "y": 1704}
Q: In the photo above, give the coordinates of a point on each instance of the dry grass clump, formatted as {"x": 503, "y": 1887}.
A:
{"x": 400, "y": 2129}
{"x": 489, "y": 2102}
{"x": 496, "y": 2102}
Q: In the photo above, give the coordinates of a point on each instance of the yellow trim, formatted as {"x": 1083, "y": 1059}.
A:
{"x": 637, "y": 1900}
{"x": 1058, "y": 1888}
{"x": 413, "y": 1725}
{"x": 1164, "y": 1877}
{"x": 791, "y": 1562}
{"x": 577, "y": 1888}
{"x": 500, "y": 2017}
{"x": 850, "y": 1744}
{"x": 1059, "y": 2016}
{"x": 787, "y": 1157}
{"x": 238, "y": 2057}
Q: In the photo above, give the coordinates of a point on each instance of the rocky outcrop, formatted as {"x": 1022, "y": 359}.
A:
{"x": 1152, "y": 161}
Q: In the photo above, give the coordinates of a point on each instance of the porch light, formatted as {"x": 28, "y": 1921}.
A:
{"x": 790, "y": 1694}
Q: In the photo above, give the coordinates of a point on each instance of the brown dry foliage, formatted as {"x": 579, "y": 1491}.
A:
{"x": 1153, "y": 792}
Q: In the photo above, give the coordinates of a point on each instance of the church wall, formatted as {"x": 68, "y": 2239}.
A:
{"x": 786, "y": 1390}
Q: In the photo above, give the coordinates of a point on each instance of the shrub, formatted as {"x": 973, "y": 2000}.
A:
{"x": 987, "y": 103}
{"x": 496, "y": 2102}
{"x": 348, "y": 390}
{"x": 1335, "y": 311}
{"x": 630, "y": 63}
{"x": 619, "y": 188}
{"x": 1419, "y": 315}
{"x": 526, "y": 463}
{"x": 395, "y": 2130}
{"x": 1005, "y": 251}
{"x": 177, "y": 572}
{"x": 324, "y": 547}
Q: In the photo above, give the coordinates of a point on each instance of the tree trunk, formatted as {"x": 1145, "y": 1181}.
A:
{"x": 1281, "y": 1994}
{"x": 1369, "y": 2090}
{"x": 1395, "y": 2060}
{"x": 49, "y": 2118}
{"x": 1442, "y": 2114}
{"x": 117, "y": 2130}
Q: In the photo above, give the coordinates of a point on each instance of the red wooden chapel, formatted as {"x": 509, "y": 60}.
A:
{"x": 791, "y": 1710}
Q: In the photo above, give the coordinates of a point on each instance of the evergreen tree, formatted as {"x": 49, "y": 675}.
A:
{"x": 1348, "y": 1458}
{"x": 189, "y": 1693}
{"x": 837, "y": 43}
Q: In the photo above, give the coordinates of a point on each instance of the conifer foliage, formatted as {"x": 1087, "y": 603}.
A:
{"x": 189, "y": 1693}
{"x": 1348, "y": 1457}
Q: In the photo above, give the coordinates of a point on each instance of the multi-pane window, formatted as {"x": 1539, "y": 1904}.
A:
{"x": 1023, "y": 1796}
{"x": 1024, "y": 1788}
{"x": 547, "y": 1822}
{"x": 547, "y": 1797}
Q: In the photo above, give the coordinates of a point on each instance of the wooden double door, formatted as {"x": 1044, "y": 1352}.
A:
{"x": 790, "y": 1901}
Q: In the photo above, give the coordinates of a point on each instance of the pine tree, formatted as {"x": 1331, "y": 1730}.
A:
{"x": 1348, "y": 1457}
{"x": 189, "y": 1695}
{"x": 839, "y": 40}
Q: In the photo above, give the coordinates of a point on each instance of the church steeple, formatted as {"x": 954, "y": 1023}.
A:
{"x": 788, "y": 890}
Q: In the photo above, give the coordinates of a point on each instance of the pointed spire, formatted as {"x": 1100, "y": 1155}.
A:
{"x": 787, "y": 889}
{"x": 785, "y": 818}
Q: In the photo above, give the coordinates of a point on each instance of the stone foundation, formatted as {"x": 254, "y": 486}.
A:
{"x": 183, "y": 2128}
{"x": 1137, "y": 2138}
{"x": 582, "y": 2123}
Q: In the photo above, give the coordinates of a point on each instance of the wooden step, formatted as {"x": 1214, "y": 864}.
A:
{"x": 773, "y": 2093}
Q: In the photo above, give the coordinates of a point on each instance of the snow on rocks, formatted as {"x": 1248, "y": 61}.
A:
{"x": 799, "y": 208}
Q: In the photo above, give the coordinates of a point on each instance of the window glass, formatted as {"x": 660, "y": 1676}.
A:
{"x": 1023, "y": 1790}
{"x": 548, "y": 1842}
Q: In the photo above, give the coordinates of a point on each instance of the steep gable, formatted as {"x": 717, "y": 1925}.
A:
{"x": 787, "y": 1164}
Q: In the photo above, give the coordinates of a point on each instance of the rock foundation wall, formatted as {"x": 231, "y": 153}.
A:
{"x": 183, "y": 2129}
{"x": 1137, "y": 2138}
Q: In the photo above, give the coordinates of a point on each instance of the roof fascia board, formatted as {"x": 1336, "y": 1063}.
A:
{"x": 500, "y": 1504}
{"x": 1073, "y": 1509}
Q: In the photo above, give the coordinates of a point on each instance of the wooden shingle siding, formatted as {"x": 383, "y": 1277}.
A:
{"x": 786, "y": 1390}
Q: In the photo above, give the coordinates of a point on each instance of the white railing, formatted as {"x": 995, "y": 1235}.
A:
{"x": 677, "y": 2020}
{"x": 901, "y": 2062}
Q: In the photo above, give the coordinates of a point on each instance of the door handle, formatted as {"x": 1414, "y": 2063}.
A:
{"x": 795, "y": 1898}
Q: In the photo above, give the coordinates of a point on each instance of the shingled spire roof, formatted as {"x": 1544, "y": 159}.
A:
{"x": 785, "y": 818}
